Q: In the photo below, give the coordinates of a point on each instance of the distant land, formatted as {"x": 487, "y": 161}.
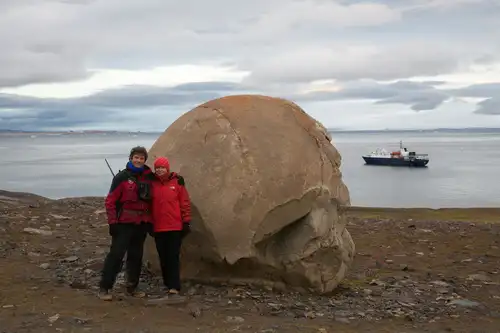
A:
{"x": 428, "y": 130}
{"x": 332, "y": 130}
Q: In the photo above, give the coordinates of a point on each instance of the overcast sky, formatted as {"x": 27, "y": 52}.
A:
{"x": 138, "y": 65}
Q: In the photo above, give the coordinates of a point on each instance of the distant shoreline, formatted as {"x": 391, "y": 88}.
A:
{"x": 331, "y": 130}
{"x": 472, "y": 214}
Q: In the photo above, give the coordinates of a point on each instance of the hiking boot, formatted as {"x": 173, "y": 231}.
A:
{"x": 135, "y": 293}
{"x": 105, "y": 295}
{"x": 174, "y": 296}
{"x": 173, "y": 292}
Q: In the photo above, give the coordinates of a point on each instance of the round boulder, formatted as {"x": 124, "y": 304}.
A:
{"x": 267, "y": 194}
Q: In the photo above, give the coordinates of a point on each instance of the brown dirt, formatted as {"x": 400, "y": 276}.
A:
{"x": 411, "y": 265}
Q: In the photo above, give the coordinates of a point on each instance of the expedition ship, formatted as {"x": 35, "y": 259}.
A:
{"x": 402, "y": 157}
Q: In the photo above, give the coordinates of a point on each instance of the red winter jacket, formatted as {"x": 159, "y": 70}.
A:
{"x": 171, "y": 205}
{"x": 122, "y": 202}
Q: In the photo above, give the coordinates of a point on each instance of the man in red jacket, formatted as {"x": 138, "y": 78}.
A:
{"x": 128, "y": 207}
{"x": 172, "y": 216}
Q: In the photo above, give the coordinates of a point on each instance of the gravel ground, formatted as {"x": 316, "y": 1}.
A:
{"x": 409, "y": 275}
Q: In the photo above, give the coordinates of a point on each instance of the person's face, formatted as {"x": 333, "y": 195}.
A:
{"x": 160, "y": 171}
{"x": 138, "y": 160}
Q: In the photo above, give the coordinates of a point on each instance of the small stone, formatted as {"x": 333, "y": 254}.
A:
{"x": 34, "y": 231}
{"x": 442, "y": 290}
{"x": 53, "y": 319}
{"x": 377, "y": 283}
{"x": 191, "y": 291}
{"x": 495, "y": 314}
{"x": 45, "y": 266}
{"x": 77, "y": 284}
{"x": 342, "y": 320}
{"x": 81, "y": 321}
{"x": 59, "y": 217}
{"x": 377, "y": 291}
{"x": 309, "y": 315}
{"x": 465, "y": 303}
{"x": 234, "y": 319}
{"x": 165, "y": 300}
{"x": 70, "y": 259}
{"x": 275, "y": 306}
{"x": 440, "y": 283}
{"x": 478, "y": 277}
{"x": 194, "y": 311}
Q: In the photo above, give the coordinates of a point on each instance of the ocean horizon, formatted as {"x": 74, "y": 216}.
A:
{"x": 331, "y": 130}
{"x": 461, "y": 173}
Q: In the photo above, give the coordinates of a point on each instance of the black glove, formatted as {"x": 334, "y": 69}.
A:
{"x": 113, "y": 229}
{"x": 186, "y": 228}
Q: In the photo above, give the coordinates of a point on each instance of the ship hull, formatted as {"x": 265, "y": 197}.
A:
{"x": 395, "y": 161}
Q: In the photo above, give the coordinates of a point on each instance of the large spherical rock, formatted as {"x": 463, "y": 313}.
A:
{"x": 267, "y": 194}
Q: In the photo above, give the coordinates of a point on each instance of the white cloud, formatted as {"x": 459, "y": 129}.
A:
{"x": 115, "y": 78}
{"x": 475, "y": 74}
{"x": 72, "y": 49}
{"x": 369, "y": 60}
{"x": 442, "y": 4}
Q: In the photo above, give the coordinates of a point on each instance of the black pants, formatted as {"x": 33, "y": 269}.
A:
{"x": 125, "y": 238}
{"x": 168, "y": 245}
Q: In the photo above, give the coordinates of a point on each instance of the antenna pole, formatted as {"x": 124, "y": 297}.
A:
{"x": 110, "y": 167}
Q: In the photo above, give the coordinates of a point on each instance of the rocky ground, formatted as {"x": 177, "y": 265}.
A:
{"x": 415, "y": 271}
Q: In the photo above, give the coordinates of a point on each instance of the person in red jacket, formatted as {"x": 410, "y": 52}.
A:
{"x": 128, "y": 208}
{"x": 171, "y": 221}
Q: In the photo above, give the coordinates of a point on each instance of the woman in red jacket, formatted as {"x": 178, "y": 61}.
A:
{"x": 171, "y": 211}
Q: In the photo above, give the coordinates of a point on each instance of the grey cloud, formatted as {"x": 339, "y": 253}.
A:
{"x": 208, "y": 86}
{"x": 113, "y": 105}
{"x": 489, "y": 91}
{"x": 417, "y": 102}
{"x": 124, "y": 104}
{"x": 128, "y": 97}
{"x": 395, "y": 51}
{"x": 137, "y": 96}
{"x": 419, "y": 96}
{"x": 39, "y": 66}
{"x": 119, "y": 105}
{"x": 490, "y": 106}
{"x": 55, "y": 41}
{"x": 58, "y": 41}
{"x": 479, "y": 90}
{"x": 379, "y": 62}
{"x": 41, "y": 118}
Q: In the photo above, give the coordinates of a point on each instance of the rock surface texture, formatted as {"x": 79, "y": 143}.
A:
{"x": 267, "y": 194}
